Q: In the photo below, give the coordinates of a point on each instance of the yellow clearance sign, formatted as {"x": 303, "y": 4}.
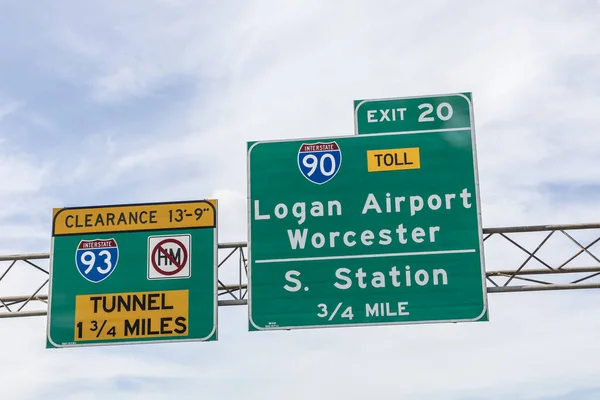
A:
{"x": 393, "y": 159}
{"x": 136, "y": 217}
{"x": 131, "y": 315}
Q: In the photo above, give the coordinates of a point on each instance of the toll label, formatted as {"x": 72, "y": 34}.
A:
{"x": 393, "y": 159}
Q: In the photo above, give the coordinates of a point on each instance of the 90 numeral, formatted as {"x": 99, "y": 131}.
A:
{"x": 311, "y": 161}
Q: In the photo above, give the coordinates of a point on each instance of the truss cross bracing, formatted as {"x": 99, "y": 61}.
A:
{"x": 523, "y": 258}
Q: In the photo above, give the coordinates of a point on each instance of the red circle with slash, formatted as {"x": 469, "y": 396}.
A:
{"x": 178, "y": 265}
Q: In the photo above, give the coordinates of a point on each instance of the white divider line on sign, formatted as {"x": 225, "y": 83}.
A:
{"x": 415, "y": 253}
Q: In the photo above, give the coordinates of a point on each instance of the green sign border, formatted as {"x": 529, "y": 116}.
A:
{"x": 466, "y": 95}
{"x": 484, "y": 316}
{"x": 149, "y": 232}
{"x": 469, "y": 97}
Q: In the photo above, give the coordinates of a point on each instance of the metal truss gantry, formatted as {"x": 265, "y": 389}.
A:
{"x": 522, "y": 251}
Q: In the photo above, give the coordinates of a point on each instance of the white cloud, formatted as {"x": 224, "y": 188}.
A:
{"x": 265, "y": 71}
{"x": 24, "y": 207}
{"x": 19, "y": 175}
{"x": 421, "y": 362}
{"x": 9, "y": 108}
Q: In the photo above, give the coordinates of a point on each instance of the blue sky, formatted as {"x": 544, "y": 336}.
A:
{"x": 139, "y": 101}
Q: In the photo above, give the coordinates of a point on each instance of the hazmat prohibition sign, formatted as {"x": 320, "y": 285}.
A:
{"x": 169, "y": 257}
{"x": 177, "y": 262}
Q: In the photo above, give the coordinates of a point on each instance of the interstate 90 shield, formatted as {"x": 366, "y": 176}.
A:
{"x": 319, "y": 162}
{"x": 96, "y": 259}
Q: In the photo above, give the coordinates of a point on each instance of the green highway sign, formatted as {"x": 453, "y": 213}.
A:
{"x": 366, "y": 229}
{"x": 415, "y": 114}
{"x": 135, "y": 273}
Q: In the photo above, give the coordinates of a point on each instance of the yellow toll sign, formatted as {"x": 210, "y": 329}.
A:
{"x": 131, "y": 315}
{"x": 136, "y": 217}
{"x": 393, "y": 159}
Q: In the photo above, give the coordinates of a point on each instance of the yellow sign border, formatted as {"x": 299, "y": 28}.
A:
{"x": 413, "y": 151}
{"x": 102, "y": 321}
{"x": 185, "y": 223}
